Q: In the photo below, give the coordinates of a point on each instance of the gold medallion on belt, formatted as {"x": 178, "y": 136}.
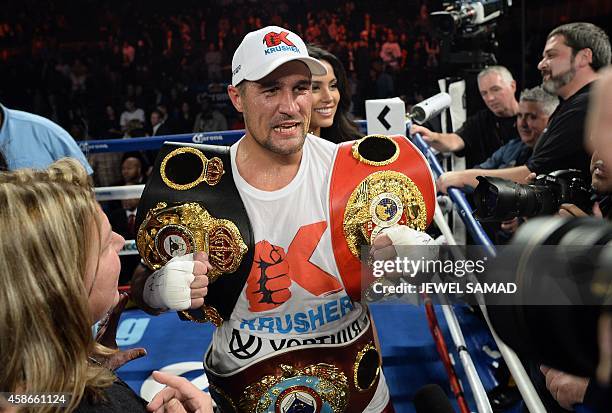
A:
{"x": 176, "y": 230}
{"x": 381, "y": 200}
{"x": 316, "y": 385}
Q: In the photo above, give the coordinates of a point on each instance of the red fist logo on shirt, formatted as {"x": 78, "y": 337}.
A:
{"x": 268, "y": 283}
{"x": 273, "y": 270}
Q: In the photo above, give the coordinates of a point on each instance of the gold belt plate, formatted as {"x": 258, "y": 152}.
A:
{"x": 176, "y": 230}
{"x": 317, "y": 383}
{"x": 381, "y": 200}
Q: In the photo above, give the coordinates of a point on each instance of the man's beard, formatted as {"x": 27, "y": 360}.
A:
{"x": 281, "y": 150}
{"x": 274, "y": 147}
{"x": 555, "y": 83}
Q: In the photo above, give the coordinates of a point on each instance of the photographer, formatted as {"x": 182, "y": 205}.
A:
{"x": 568, "y": 389}
{"x": 488, "y": 129}
{"x": 559, "y": 343}
{"x": 572, "y": 56}
{"x": 535, "y": 108}
{"x": 601, "y": 183}
{"x": 598, "y": 127}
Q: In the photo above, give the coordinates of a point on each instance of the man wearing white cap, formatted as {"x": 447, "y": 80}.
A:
{"x": 294, "y": 340}
{"x": 294, "y": 300}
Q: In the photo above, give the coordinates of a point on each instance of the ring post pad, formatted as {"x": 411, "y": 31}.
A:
{"x": 189, "y": 204}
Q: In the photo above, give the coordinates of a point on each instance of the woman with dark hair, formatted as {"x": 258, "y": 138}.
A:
{"x": 331, "y": 101}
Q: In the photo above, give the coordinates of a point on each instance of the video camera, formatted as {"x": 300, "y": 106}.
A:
{"x": 467, "y": 32}
{"x": 498, "y": 199}
{"x": 464, "y": 16}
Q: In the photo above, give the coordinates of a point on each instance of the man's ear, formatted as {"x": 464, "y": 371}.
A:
{"x": 234, "y": 95}
{"x": 513, "y": 86}
{"x": 586, "y": 58}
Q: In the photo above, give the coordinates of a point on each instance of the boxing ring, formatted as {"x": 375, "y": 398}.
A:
{"x": 415, "y": 352}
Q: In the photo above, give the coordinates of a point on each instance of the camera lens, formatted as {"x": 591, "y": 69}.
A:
{"x": 528, "y": 200}
{"x": 562, "y": 267}
{"x": 497, "y": 199}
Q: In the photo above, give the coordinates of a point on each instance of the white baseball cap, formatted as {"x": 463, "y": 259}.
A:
{"x": 265, "y": 49}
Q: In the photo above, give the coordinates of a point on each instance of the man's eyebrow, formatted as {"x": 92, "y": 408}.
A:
{"x": 276, "y": 83}
{"x": 268, "y": 84}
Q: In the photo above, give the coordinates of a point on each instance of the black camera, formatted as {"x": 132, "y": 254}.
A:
{"x": 498, "y": 199}
{"x": 563, "y": 270}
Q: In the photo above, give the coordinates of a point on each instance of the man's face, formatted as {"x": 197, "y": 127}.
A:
{"x": 130, "y": 204}
{"x": 131, "y": 169}
{"x": 530, "y": 121}
{"x": 557, "y": 65}
{"x": 205, "y": 105}
{"x": 497, "y": 94}
{"x": 601, "y": 181}
{"x": 155, "y": 118}
{"x": 277, "y": 108}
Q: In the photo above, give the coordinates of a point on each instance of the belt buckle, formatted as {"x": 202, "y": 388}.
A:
{"x": 317, "y": 388}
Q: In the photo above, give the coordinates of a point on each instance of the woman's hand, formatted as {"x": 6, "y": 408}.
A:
{"x": 179, "y": 396}
{"x": 107, "y": 336}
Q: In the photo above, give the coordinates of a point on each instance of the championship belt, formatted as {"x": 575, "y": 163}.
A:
{"x": 319, "y": 379}
{"x": 377, "y": 182}
{"x": 190, "y": 203}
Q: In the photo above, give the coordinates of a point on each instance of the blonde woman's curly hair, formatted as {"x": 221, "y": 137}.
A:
{"x": 49, "y": 227}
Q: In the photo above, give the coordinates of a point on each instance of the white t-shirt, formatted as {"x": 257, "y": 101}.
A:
{"x": 294, "y": 295}
{"x": 127, "y": 116}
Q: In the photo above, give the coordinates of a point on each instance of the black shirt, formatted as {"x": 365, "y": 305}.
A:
{"x": 483, "y": 133}
{"x": 561, "y": 145}
{"x": 120, "y": 399}
{"x": 598, "y": 397}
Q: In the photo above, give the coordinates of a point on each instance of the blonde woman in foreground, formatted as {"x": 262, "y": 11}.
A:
{"x": 59, "y": 269}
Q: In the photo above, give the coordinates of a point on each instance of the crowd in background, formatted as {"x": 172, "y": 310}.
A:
{"x": 109, "y": 69}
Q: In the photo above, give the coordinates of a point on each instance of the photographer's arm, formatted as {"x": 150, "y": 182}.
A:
{"x": 459, "y": 179}
{"x": 443, "y": 142}
{"x": 571, "y": 210}
{"x": 565, "y": 388}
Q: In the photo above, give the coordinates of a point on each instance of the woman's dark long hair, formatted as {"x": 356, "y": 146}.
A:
{"x": 343, "y": 128}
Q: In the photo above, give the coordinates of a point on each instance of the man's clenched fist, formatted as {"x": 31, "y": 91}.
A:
{"x": 268, "y": 283}
{"x": 180, "y": 284}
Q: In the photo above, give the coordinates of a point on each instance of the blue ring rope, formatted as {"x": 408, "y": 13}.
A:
{"x": 155, "y": 142}
{"x": 463, "y": 207}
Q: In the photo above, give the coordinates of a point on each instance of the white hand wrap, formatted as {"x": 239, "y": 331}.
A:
{"x": 402, "y": 236}
{"x": 169, "y": 287}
